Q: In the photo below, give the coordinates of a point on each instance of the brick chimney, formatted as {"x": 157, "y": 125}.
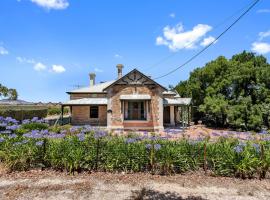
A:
{"x": 119, "y": 70}
{"x": 92, "y": 79}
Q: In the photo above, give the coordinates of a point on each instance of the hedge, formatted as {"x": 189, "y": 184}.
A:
{"x": 23, "y": 112}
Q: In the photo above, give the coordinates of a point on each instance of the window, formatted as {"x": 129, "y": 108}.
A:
{"x": 93, "y": 111}
{"x": 135, "y": 110}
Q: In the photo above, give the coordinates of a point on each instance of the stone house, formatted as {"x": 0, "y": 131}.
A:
{"x": 133, "y": 101}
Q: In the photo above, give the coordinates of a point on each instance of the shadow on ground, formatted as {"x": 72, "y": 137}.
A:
{"x": 147, "y": 194}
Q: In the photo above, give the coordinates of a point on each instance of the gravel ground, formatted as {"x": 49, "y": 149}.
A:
{"x": 48, "y": 184}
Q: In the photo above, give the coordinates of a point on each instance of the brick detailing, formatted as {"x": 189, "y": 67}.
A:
{"x": 116, "y": 106}
{"x": 85, "y": 95}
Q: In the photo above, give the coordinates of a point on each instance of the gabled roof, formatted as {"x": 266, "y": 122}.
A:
{"x": 135, "y": 71}
{"x": 98, "y": 88}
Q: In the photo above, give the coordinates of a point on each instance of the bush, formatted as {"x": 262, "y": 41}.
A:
{"x": 56, "y": 110}
{"x": 35, "y": 126}
{"x": 23, "y": 112}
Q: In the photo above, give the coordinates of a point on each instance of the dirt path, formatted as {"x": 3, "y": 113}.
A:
{"x": 53, "y": 185}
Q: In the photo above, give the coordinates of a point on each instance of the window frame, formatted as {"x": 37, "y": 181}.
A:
{"x": 127, "y": 113}
{"x": 97, "y": 112}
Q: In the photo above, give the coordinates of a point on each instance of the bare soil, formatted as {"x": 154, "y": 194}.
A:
{"x": 48, "y": 184}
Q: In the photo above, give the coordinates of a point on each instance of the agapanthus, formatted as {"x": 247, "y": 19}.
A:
{"x": 257, "y": 147}
{"x": 13, "y": 127}
{"x": 2, "y": 140}
{"x": 34, "y": 134}
{"x": 100, "y": 134}
{"x": 130, "y": 140}
{"x": 55, "y": 135}
{"x": 81, "y": 136}
{"x": 12, "y": 136}
{"x": 263, "y": 132}
{"x": 35, "y": 119}
{"x": 238, "y": 149}
{"x": 26, "y": 121}
{"x": 5, "y": 132}
{"x": 157, "y": 147}
{"x": 39, "y": 143}
{"x": 3, "y": 124}
{"x": 148, "y": 146}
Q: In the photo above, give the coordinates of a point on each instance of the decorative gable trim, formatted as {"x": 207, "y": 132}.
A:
{"x": 135, "y": 77}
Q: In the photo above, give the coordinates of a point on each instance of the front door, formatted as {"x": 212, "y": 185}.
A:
{"x": 166, "y": 115}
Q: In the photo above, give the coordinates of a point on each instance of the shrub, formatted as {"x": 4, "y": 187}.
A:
{"x": 23, "y": 112}
{"x": 56, "y": 110}
{"x": 35, "y": 126}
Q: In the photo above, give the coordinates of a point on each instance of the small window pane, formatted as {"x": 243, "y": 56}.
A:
{"x": 93, "y": 111}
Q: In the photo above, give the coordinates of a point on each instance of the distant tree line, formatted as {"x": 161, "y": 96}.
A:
{"x": 8, "y": 92}
{"x": 231, "y": 92}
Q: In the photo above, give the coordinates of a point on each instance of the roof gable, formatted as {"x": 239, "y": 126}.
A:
{"x": 135, "y": 77}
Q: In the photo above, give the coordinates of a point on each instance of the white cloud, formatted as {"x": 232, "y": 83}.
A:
{"x": 263, "y": 35}
{"x": 52, "y": 4}
{"x": 172, "y": 15}
{"x": 176, "y": 38}
{"x": 261, "y": 47}
{"x": 118, "y": 56}
{"x": 207, "y": 41}
{"x": 25, "y": 60}
{"x": 3, "y": 51}
{"x": 98, "y": 69}
{"x": 58, "y": 69}
{"x": 39, "y": 66}
{"x": 263, "y": 11}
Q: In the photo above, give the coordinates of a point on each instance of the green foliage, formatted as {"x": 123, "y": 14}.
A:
{"x": 115, "y": 154}
{"x": 34, "y": 126}
{"x": 231, "y": 92}
{"x": 6, "y": 92}
{"x": 23, "y": 112}
{"x": 56, "y": 110}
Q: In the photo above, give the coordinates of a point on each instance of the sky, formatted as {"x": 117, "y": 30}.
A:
{"x": 48, "y": 47}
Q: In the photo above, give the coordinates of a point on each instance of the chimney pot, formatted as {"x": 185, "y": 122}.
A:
{"x": 92, "y": 79}
{"x": 119, "y": 70}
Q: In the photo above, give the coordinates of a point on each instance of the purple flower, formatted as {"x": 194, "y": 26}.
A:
{"x": 263, "y": 132}
{"x": 100, "y": 134}
{"x": 81, "y": 136}
{"x": 35, "y": 134}
{"x": 148, "y": 146}
{"x": 6, "y": 132}
{"x": 238, "y": 149}
{"x": 157, "y": 147}
{"x": 2, "y": 140}
{"x": 12, "y": 136}
{"x": 55, "y": 136}
{"x": 39, "y": 143}
{"x": 130, "y": 140}
{"x": 73, "y": 129}
{"x": 257, "y": 147}
{"x": 26, "y": 121}
{"x": 35, "y": 119}
{"x": 13, "y": 127}
{"x": 3, "y": 124}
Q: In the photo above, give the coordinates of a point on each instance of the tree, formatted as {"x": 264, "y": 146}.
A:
{"x": 231, "y": 92}
{"x": 9, "y": 93}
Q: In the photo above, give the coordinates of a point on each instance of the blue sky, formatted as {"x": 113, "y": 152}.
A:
{"x": 49, "y": 46}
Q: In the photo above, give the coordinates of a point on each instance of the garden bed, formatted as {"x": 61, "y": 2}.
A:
{"x": 31, "y": 144}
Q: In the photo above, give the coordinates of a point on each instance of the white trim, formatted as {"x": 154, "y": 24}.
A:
{"x": 135, "y": 97}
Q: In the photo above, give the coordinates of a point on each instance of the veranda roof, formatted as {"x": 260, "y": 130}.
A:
{"x": 135, "y": 97}
{"x": 177, "y": 101}
{"x": 87, "y": 101}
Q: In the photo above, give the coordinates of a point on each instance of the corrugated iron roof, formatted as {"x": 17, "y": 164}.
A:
{"x": 98, "y": 88}
{"x": 177, "y": 101}
{"x": 87, "y": 101}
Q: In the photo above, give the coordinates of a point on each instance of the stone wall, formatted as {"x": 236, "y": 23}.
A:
{"x": 154, "y": 113}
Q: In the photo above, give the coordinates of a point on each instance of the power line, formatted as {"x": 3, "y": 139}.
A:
{"x": 214, "y": 41}
{"x": 185, "y": 46}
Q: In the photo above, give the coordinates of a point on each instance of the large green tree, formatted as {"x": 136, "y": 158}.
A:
{"x": 8, "y": 93}
{"x": 231, "y": 92}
